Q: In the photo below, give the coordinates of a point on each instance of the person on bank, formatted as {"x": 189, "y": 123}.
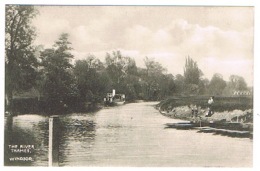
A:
{"x": 210, "y": 107}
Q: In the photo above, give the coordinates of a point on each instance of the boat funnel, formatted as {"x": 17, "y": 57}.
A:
{"x": 113, "y": 92}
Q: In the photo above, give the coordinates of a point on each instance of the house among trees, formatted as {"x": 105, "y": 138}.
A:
{"x": 242, "y": 93}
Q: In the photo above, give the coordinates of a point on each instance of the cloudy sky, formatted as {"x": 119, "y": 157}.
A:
{"x": 220, "y": 39}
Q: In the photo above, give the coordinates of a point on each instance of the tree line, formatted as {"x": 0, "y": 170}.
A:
{"x": 62, "y": 83}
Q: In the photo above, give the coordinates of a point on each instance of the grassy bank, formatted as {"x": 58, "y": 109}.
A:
{"x": 231, "y": 109}
{"x": 220, "y": 103}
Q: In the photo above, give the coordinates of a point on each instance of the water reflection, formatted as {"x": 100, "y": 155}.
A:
{"x": 76, "y": 134}
{"x": 77, "y": 138}
{"x": 24, "y": 131}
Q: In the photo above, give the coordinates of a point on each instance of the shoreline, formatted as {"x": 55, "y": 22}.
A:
{"x": 235, "y": 123}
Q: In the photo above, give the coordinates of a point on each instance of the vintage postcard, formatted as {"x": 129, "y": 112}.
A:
{"x": 129, "y": 85}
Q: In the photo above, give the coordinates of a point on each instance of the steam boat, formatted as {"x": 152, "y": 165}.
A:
{"x": 114, "y": 99}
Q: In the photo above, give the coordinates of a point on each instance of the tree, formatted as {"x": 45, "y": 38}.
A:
{"x": 20, "y": 62}
{"x": 91, "y": 80}
{"x": 115, "y": 67}
{"x": 217, "y": 84}
{"x": 203, "y": 86}
{"x": 153, "y": 74}
{"x": 179, "y": 83}
{"x": 236, "y": 83}
{"x": 122, "y": 72}
{"x": 166, "y": 86}
{"x": 118, "y": 66}
{"x": 192, "y": 75}
{"x": 58, "y": 84}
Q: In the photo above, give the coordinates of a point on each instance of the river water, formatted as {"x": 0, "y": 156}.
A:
{"x": 129, "y": 135}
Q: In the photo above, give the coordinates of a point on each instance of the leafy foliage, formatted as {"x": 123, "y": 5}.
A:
{"x": 20, "y": 60}
{"x": 155, "y": 78}
{"x": 192, "y": 75}
{"x": 58, "y": 82}
{"x": 122, "y": 72}
{"x": 217, "y": 84}
{"x": 90, "y": 80}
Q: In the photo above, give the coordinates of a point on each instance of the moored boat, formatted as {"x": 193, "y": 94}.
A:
{"x": 114, "y": 99}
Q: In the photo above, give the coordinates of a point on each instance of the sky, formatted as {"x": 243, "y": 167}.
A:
{"x": 219, "y": 39}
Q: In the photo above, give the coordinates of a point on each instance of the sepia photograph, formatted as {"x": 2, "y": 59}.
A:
{"x": 128, "y": 85}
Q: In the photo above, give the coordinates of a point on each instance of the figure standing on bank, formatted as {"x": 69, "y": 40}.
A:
{"x": 210, "y": 107}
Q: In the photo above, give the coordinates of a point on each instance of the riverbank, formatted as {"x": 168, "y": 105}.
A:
{"x": 226, "y": 115}
{"x": 29, "y": 105}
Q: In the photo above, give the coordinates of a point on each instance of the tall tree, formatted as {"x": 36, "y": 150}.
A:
{"x": 192, "y": 75}
{"x": 58, "y": 84}
{"x": 20, "y": 62}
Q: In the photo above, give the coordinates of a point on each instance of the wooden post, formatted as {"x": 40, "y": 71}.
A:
{"x": 53, "y": 141}
{"x": 9, "y": 123}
